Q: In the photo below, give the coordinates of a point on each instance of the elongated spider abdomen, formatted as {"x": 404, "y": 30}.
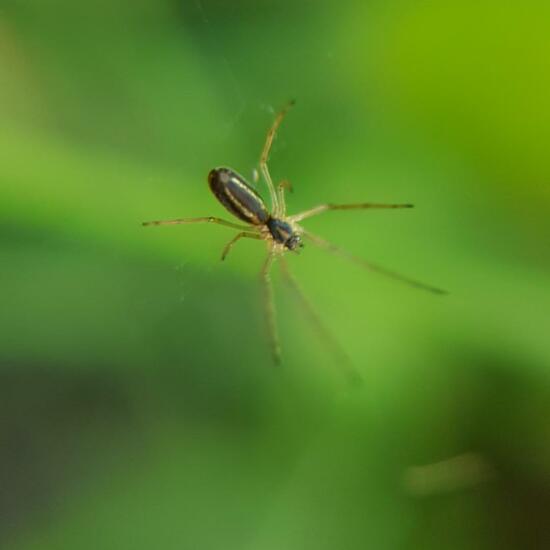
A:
{"x": 237, "y": 196}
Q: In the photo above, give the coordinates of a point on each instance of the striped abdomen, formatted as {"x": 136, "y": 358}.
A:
{"x": 237, "y": 196}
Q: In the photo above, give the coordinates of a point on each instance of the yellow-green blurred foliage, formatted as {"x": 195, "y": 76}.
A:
{"x": 139, "y": 405}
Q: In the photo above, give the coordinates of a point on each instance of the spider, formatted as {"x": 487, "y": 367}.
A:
{"x": 281, "y": 232}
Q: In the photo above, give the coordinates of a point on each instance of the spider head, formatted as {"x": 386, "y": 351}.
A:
{"x": 283, "y": 233}
{"x": 294, "y": 242}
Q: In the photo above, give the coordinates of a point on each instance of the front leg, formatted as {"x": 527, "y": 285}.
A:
{"x": 269, "y": 304}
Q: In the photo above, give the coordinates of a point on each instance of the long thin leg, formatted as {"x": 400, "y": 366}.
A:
{"x": 325, "y": 336}
{"x": 265, "y": 155}
{"x": 269, "y": 303}
{"x": 285, "y": 184}
{"x": 369, "y": 265}
{"x": 206, "y": 219}
{"x": 359, "y": 206}
{"x": 238, "y": 236}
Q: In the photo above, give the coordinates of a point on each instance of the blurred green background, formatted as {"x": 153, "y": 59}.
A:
{"x": 139, "y": 405}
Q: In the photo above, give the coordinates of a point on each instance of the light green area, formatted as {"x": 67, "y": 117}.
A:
{"x": 140, "y": 407}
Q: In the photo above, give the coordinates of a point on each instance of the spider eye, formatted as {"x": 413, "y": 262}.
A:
{"x": 294, "y": 242}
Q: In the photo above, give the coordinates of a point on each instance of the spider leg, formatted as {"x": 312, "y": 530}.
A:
{"x": 265, "y": 156}
{"x": 242, "y": 234}
{"x": 269, "y": 304}
{"x": 323, "y": 332}
{"x": 322, "y": 243}
{"x": 358, "y": 206}
{"x": 206, "y": 219}
{"x": 285, "y": 184}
